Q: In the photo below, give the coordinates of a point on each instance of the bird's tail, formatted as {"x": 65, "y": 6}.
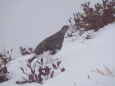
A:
{"x": 30, "y": 60}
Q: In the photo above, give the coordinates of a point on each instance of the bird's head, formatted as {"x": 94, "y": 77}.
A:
{"x": 65, "y": 28}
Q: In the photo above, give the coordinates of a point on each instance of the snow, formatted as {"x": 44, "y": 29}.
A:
{"x": 26, "y": 22}
{"x": 80, "y": 61}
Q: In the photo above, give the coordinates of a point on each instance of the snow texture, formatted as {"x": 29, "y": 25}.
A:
{"x": 23, "y": 22}
{"x": 81, "y": 58}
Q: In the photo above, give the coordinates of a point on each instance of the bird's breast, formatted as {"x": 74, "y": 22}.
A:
{"x": 48, "y": 54}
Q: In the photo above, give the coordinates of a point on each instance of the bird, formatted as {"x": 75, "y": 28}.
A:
{"x": 50, "y": 46}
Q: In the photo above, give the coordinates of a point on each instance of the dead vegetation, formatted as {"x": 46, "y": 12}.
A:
{"x": 107, "y": 71}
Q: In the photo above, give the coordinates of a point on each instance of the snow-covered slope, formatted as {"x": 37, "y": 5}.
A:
{"x": 81, "y": 59}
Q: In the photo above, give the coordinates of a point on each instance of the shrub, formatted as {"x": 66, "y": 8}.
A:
{"x": 40, "y": 74}
{"x": 95, "y": 18}
{"x": 26, "y": 51}
{"x": 4, "y": 59}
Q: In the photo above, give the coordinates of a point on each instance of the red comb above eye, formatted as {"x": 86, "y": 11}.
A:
{"x": 67, "y": 25}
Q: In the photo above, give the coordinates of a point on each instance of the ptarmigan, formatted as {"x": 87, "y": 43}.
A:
{"x": 50, "y": 46}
